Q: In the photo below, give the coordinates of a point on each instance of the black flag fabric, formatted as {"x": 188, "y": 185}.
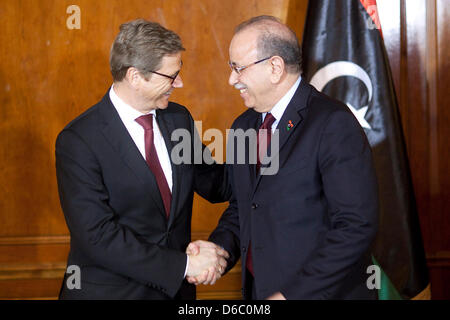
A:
{"x": 344, "y": 57}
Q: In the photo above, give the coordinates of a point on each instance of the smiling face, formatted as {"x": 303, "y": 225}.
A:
{"x": 156, "y": 89}
{"x": 253, "y": 82}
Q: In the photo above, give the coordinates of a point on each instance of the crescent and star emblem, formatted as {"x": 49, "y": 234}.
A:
{"x": 345, "y": 69}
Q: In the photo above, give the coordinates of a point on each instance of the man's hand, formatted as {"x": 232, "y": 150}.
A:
{"x": 276, "y": 296}
{"x": 213, "y": 254}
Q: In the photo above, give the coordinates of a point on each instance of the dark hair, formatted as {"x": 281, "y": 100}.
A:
{"x": 281, "y": 41}
{"x": 141, "y": 44}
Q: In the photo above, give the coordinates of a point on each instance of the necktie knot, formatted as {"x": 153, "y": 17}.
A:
{"x": 268, "y": 121}
{"x": 146, "y": 121}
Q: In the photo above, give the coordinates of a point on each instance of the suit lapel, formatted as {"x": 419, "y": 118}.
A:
{"x": 290, "y": 122}
{"x": 117, "y": 135}
{"x": 254, "y": 122}
{"x": 167, "y": 126}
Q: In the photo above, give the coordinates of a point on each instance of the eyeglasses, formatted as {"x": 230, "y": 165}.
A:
{"x": 167, "y": 76}
{"x": 238, "y": 70}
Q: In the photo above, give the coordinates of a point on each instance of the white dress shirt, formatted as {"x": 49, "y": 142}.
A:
{"x": 128, "y": 115}
{"x": 279, "y": 108}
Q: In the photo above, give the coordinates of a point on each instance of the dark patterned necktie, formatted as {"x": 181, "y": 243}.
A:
{"x": 264, "y": 137}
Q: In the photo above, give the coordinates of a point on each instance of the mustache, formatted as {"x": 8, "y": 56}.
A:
{"x": 240, "y": 86}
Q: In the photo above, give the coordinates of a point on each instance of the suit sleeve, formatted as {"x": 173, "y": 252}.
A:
{"x": 350, "y": 189}
{"x": 227, "y": 233}
{"x": 210, "y": 179}
{"x": 95, "y": 229}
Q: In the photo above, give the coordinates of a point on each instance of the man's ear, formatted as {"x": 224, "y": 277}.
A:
{"x": 133, "y": 76}
{"x": 277, "y": 65}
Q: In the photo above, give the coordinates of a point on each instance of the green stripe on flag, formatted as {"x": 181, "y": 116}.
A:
{"x": 387, "y": 290}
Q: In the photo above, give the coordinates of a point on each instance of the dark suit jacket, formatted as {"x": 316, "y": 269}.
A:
{"x": 120, "y": 236}
{"x": 310, "y": 225}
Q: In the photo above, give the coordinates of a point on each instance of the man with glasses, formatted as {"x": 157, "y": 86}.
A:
{"x": 128, "y": 207}
{"x": 305, "y": 231}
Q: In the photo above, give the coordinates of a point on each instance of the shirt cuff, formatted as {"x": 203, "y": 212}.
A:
{"x": 187, "y": 264}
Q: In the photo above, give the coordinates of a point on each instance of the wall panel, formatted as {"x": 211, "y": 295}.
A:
{"x": 416, "y": 39}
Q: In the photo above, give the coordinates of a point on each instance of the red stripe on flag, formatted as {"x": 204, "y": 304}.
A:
{"x": 372, "y": 10}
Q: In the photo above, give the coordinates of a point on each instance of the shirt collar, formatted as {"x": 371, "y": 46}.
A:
{"x": 126, "y": 112}
{"x": 279, "y": 108}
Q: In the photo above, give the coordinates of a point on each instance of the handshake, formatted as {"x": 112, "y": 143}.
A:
{"x": 206, "y": 262}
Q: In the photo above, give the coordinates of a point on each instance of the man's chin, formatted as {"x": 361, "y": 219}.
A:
{"x": 250, "y": 106}
{"x": 162, "y": 104}
{"x": 256, "y": 108}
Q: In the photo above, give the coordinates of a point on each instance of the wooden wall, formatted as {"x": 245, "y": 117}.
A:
{"x": 417, "y": 38}
{"x": 49, "y": 74}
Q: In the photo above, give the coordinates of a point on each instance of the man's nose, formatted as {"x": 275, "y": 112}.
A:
{"x": 178, "y": 82}
{"x": 233, "y": 79}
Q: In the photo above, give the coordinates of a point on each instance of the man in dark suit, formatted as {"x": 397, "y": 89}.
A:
{"x": 303, "y": 218}
{"x": 126, "y": 201}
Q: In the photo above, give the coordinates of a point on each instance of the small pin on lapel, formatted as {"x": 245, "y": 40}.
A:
{"x": 290, "y": 125}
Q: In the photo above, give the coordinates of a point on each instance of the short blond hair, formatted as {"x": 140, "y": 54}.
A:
{"x": 142, "y": 44}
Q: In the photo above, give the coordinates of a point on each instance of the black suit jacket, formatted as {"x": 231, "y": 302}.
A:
{"x": 121, "y": 239}
{"x": 310, "y": 225}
